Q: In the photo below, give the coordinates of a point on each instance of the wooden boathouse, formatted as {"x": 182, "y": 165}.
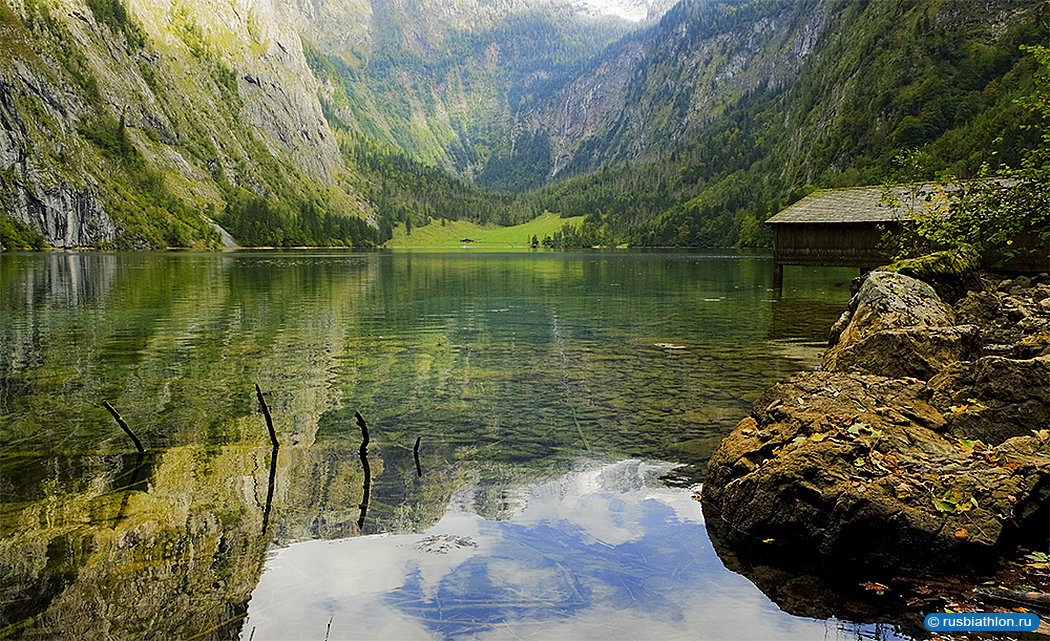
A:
{"x": 834, "y": 228}
{"x": 845, "y": 228}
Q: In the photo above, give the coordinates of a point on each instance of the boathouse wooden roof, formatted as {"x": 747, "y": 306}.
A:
{"x": 852, "y": 205}
{"x": 845, "y": 227}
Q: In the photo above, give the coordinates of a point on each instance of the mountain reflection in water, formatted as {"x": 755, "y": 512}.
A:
{"x": 511, "y": 400}
{"x": 605, "y": 551}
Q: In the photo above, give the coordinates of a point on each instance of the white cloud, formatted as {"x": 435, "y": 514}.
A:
{"x": 602, "y": 553}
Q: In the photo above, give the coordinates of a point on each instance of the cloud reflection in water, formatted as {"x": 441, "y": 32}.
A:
{"x": 604, "y": 552}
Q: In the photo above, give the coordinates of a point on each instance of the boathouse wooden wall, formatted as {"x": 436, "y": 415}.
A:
{"x": 830, "y": 244}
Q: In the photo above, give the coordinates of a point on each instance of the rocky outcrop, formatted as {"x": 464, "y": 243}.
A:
{"x": 993, "y": 398}
{"x": 857, "y": 468}
{"x": 915, "y": 449}
{"x": 898, "y": 326}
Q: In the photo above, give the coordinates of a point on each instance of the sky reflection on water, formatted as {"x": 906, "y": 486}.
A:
{"x": 604, "y": 552}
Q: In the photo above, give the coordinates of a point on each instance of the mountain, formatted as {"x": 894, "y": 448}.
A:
{"x": 695, "y": 127}
{"x": 720, "y": 115}
{"x": 130, "y": 124}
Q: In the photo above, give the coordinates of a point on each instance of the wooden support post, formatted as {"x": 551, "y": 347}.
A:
{"x": 778, "y": 277}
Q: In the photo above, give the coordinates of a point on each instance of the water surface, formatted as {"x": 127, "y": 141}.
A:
{"x": 564, "y": 407}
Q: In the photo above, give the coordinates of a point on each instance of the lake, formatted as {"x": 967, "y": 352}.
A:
{"x": 538, "y": 426}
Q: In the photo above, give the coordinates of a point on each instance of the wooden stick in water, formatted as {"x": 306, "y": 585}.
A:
{"x": 124, "y": 426}
{"x": 266, "y": 413}
{"x": 364, "y": 430}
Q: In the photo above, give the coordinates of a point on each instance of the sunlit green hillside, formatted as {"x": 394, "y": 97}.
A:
{"x": 452, "y": 233}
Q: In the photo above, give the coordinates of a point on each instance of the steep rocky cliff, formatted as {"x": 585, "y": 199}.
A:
{"x": 127, "y": 125}
{"x": 663, "y": 86}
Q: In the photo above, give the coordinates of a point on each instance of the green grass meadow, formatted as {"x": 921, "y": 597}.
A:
{"x": 453, "y": 233}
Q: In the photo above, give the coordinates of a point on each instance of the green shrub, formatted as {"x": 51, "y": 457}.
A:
{"x": 15, "y": 234}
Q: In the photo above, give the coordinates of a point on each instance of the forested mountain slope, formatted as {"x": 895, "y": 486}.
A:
{"x": 130, "y": 125}
{"x": 135, "y": 124}
{"x": 439, "y": 81}
{"x": 692, "y": 130}
{"x": 730, "y": 113}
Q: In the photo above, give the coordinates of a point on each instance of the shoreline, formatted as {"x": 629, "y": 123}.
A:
{"x": 920, "y": 449}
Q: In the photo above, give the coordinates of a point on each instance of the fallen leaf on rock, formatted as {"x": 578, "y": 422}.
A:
{"x": 877, "y": 588}
{"x": 961, "y": 533}
{"x": 775, "y": 403}
{"x": 943, "y": 506}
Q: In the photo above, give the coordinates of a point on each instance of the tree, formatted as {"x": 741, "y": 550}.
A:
{"x": 986, "y": 217}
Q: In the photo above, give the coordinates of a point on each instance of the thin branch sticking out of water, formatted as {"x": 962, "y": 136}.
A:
{"x": 415, "y": 453}
{"x": 364, "y": 430}
{"x": 124, "y": 426}
{"x": 266, "y": 413}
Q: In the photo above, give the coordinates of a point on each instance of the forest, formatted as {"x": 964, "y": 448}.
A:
{"x": 940, "y": 86}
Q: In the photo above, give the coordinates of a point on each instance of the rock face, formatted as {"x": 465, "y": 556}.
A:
{"x": 201, "y": 91}
{"x": 619, "y": 108}
{"x": 915, "y": 449}
{"x": 68, "y": 217}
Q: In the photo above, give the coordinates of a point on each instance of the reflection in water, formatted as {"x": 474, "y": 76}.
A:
{"x": 806, "y": 591}
{"x": 269, "y": 489}
{"x": 605, "y": 551}
{"x": 366, "y": 490}
{"x": 512, "y": 366}
{"x": 134, "y": 551}
{"x": 139, "y": 474}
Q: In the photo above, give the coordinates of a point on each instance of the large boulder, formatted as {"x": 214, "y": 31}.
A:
{"x": 994, "y": 398}
{"x": 846, "y": 467}
{"x": 897, "y": 326}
